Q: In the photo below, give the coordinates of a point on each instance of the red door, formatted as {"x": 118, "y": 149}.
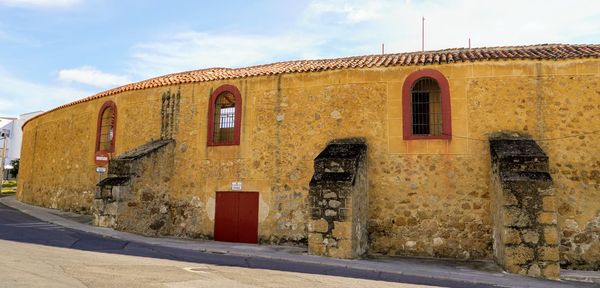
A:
{"x": 236, "y": 217}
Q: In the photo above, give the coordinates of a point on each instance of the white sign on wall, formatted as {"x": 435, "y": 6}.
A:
{"x": 236, "y": 186}
{"x": 102, "y": 158}
{"x": 100, "y": 170}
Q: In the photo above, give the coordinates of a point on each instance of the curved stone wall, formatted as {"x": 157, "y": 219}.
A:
{"x": 426, "y": 197}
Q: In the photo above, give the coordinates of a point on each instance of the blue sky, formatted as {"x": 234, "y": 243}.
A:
{"x": 56, "y": 51}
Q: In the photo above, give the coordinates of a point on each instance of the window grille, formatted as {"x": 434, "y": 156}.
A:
{"x": 227, "y": 117}
{"x": 224, "y": 118}
{"x": 426, "y": 107}
{"x": 107, "y": 129}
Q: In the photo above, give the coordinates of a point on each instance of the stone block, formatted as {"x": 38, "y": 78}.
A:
{"x": 534, "y": 271}
{"x": 106, "y": 221}
{"x": 547, "y": 191}
{"x": 98, "y": 205}
{"x": 334, "y": 203}
{"x": 515, "y": 217}
{"x": 397, "y": 144}
{"x": 416, "y": 147}
{"x": 343, "y": 250}
{"x": 315, "y": 244}
{"x": 548, "y": 254}
{"x": 549, "y": 203}
{"x": 547, "y": 218}
{"x": 330, "y": 213}
{"x": 330, "y": 195}
{"x": 111, "y": 208}
{"x": 515, "y": 269}
{"x": 339, "y": 253}
{"x": 315, "y": 238}
{"x": 344, "y": 213}
{"x": 342, "y": 230}
{"x": 458, "y": 145}
{"x": 512, "y": 236}
{"x": 96, "y": 220}
{"x": 551, "y": 271}
{"x": 320, "y": 226}
{"x": 410, "y": 245}
{"x": 551, "y": 236}
{"x": 531, "y": 237}
{"x": 437, "y": 241}
{"x": 518, "y": 255}
{"x": 330, "y": 242}
{"x": 510, "y": 199}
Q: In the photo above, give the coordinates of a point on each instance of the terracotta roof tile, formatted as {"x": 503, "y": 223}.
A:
{"x": 533, "y": 52}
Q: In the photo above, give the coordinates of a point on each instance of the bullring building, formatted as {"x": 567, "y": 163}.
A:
{"x": 483, "y": 153}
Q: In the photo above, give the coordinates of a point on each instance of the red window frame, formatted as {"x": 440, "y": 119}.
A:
{"x": 106, "y": 105}
{"x": 407, "y": 104}
{"x": 238, "y": 115}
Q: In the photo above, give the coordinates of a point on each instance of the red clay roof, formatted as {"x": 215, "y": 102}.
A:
{"x": 447, "y": 56}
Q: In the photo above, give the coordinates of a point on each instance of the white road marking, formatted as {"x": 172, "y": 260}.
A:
{"x": 40, "y": 225}
{"x": 197, "y": 269}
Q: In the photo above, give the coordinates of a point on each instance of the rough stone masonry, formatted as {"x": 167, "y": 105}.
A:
{"x": 426, "y": 197}
{"x": 339, "y": 201}
{"x": 524, "y": 207}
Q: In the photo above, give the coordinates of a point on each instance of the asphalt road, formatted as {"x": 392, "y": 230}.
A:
{"x": 19, "y": 227}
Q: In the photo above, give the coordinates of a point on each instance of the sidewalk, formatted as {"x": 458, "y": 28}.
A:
{"x": 474, "y": 272}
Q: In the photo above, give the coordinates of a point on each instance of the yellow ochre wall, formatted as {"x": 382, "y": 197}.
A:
{"x": 427, "y": 197}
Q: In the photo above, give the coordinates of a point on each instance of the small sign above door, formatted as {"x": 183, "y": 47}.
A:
{"x": 236, "y": 186}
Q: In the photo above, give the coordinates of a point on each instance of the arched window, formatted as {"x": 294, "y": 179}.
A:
{"x": 224, "y": 116}
{"x": 426, "y": 106}
{"x": 107, "y": 124}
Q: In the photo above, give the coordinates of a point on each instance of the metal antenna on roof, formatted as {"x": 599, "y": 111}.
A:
{"x": 469, "y": 43}
{"x": 423, "y": 34}
{"x": 382, "y": 48}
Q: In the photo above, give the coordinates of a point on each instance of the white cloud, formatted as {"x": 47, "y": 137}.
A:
{"x": 40, "y": 3}
{"x": 19, "y": 96}
{"x": 91, "y": 76}
{"x": 349, "y": 12}
{"x": 194, "y": 50}
{"x": 327, "y": 28}
{"x": 449, "y": 24}
{"x": 335, "y": 28}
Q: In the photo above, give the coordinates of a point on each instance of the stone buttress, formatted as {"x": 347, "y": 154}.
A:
{"x": 524, "y": 207}
{"x": 134, "y": 196}
{"x": 143, "y": 168}
{"x": 338, "y": 200}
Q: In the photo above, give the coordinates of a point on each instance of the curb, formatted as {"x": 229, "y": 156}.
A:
{"x": 397, "y": 267}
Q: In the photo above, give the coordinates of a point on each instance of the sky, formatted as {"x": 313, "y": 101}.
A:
{"x": 56, "y": 51}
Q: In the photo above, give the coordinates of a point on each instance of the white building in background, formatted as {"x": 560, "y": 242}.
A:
{"x": 11, "y": 126}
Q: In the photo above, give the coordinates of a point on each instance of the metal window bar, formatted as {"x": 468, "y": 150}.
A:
{"x": 107, "y": 129}
{"x": 227, "y": 117}
{"x": 426, "y": 107}
{"x": 224, "y": 119}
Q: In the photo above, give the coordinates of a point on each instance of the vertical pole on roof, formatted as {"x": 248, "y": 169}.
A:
{"x": 3, "y": 159}
{"x": 469, "y": 43}
{"x": 382, "y": 48}
{"x": 423, "y": 34}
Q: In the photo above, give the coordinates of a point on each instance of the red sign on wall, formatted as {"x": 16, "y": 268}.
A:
{"x": 101, "y": 158}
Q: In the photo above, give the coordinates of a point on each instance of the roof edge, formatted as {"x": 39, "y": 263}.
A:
{"x": 421, "y": 58}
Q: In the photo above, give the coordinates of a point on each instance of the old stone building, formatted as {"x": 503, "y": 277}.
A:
{"x": 462, "y": 153}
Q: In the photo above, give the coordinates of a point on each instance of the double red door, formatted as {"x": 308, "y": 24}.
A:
{"x": 236, "y": 217}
